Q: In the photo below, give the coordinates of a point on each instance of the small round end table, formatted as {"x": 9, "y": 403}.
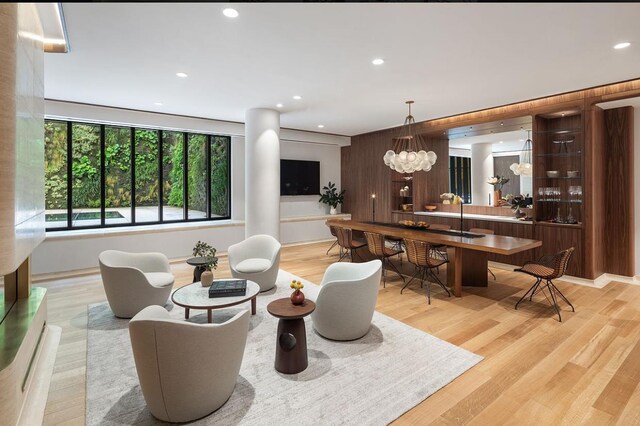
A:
{"x": 199, "y": 263}
{"x": 291, "y": 341}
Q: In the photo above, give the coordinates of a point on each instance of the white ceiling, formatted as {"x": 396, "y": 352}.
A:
{"x": 448, "y": 57}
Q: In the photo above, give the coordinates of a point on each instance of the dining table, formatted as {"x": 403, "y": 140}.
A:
{"x": 468, "y": 253}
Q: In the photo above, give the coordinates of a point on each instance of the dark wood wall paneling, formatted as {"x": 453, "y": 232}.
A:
{"x": 368, "y": 174}
{"x": 345, "y": 178}
{"x": 619, "y": 190}
{"x": 594, "y": 179}
{"x": 427, "y": 186}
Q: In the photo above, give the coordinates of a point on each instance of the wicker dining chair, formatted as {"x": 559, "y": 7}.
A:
{"x": 377, "y": 246}
{"x": 334, "y": 232}
{"x": 420, "y": 253}
{"x": 546, "y": 269}
{"x": 347, "y": 243}
{"x": 440, "y": 250}
{"x": 486, "y": 232}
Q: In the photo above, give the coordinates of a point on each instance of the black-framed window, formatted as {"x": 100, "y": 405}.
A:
{"x": 99, "y": 175}
{"x": 460, "y": 177}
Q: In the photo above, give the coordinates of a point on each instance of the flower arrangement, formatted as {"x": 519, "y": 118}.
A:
{"x": 498, "y": 182}
{"x": 202, "y": 249}
{"x": 297, "y": 297}
{"x": 296, "y": 285}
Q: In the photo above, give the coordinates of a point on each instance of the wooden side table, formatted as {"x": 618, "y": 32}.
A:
{"x": 199, "y": 264}
{"x": 291, "y": 341}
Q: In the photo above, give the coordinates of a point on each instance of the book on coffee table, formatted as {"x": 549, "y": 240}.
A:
{"x": 228, "y": 288}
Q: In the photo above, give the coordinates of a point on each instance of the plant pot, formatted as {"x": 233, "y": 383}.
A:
{"x": 297, "y": 297}
{"x": 206, "y": 278}
{"x": 333, "y": 210}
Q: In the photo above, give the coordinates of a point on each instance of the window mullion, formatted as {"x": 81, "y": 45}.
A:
{"x": 185, "y": 176}
{"x": 133, "y": 175}
{"x": 160, "y": 176}
{"x": 208, "y": 183}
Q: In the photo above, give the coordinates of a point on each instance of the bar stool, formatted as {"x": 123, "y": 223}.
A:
{"x": 346, "y": 242}
{"x": 419, "y": 253}
{"x": 486, "y": 232}
{"x": 548, "y": 268}
{"x": 377, "y": 246}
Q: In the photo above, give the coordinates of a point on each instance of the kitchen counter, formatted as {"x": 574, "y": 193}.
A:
{"x": 507, "y": 219}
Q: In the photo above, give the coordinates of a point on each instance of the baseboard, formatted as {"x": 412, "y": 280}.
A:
{"x": 38, "y": 388}
{"x": 78, "y": 273}
{"x": 599, "y": 282}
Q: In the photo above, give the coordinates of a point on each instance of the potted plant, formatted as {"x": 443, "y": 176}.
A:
{"x": 517, "y": 202}
{"x": 208, "y": 253}
{"x": 331, "y": 197}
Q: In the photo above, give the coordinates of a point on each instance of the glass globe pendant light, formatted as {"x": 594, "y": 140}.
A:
{"x": 408, "y": 155}
{"x": 524, "y": 167}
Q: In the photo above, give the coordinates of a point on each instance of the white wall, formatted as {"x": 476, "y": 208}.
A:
{"x": 64, "y": 251}
{"x": 329, "y": 157}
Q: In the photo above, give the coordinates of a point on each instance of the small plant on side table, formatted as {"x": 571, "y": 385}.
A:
{"x": 206, "y": 251}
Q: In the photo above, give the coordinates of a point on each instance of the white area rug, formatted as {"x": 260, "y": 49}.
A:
{"x": 371, "y": 381}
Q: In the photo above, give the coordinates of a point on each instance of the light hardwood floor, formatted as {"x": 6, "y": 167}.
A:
{"x": 585, "y": 370}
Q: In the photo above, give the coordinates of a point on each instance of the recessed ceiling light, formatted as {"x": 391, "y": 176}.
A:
{"x": 320, "y": 126}
{"x": 182, "y": 75}
{"x": 297, "y": 97}
{"x": 158, "y": 103}
{"x": 230, "y": 13}
{"x": 378, "y": 61}
{"x": 622, "y": 45}
{"x": 279, "y": 105}
{"x": 501, "y": 141}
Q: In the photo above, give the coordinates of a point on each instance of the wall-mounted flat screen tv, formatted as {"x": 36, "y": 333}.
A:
{"x": 298, "y": 177}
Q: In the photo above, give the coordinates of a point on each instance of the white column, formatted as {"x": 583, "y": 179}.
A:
{"x": 262, "y": 172}
{"x": 481, "y": 170}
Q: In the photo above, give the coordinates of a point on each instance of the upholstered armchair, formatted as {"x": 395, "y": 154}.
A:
{"x": 347, "y": 300}
{"x": 257, "y": 259}
{"x": 186, "y": 370}
{"x": 133, "y": 281}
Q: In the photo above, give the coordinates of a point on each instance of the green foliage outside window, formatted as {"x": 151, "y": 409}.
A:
{"x": 85, "y": 168}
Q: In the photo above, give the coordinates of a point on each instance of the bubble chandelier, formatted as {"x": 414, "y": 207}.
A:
{"x": 524, "y": 167}
{"x": 410, "y": 157}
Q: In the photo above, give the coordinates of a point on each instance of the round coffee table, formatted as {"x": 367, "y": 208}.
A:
{"x": 199, "y": 263}
{"x": 291, "y": 343}
{"x": 194, "y": 296}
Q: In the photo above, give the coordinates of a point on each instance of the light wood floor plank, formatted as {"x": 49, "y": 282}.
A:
{"x": 584, "y": 370}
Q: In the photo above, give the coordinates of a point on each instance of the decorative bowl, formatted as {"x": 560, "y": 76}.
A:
{"x": 430, "y": 208}
{"x": 406, "y": 207}
{"x": 573, "y": 173}
{"x": 553, "y": 173}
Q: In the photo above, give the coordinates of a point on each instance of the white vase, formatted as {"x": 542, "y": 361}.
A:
{"x": 333, "y": 210}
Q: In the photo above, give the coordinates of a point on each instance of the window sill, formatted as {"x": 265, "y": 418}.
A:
{"x": 139, "y": 229}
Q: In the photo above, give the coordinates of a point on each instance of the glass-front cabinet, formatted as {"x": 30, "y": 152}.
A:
{"x": 558, "y": 168}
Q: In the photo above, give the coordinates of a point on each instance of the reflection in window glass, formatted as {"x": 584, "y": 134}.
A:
{"x": 85, "y": 175}
{"x": 220, "y": 176}
{"x": 117, "y": 179}
{"x": 172, "y": 176}
{"x": 197, "y": 176}
{"x": 146, "y": 163}
{"x": 55, "y": 173}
